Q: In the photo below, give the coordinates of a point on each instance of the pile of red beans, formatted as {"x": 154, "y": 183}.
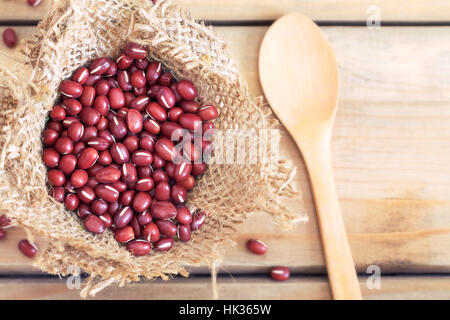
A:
{"x": 109, "y": 147}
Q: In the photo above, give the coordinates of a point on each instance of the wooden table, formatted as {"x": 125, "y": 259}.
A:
{"x": 391, "y": 156}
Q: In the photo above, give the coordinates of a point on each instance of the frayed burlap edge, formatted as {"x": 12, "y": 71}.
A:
{"x": 75, "y": 32}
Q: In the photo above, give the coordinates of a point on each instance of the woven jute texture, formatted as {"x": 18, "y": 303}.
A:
{"x": 74, "y": 33}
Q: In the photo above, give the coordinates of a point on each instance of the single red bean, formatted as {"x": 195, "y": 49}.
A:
{"x": 140, "y": 102}
{"x": 79, "y": 178}
{"x": 184, "y": 232}
{"x": 27, "y": 248}
{"x": 135, "y": 51}
{"x": 178, "y": 194}
{"x": 129, "y": 174}
{"x": 182, "y": 171}
{"x": 208, "y": 112}
{"x": 58, "y": 113}
{"x": 256, "y": 246}
{"x": 118, "y": 128}
{"x": 190, "y": 121}
{"x": 88, "y": 96}
{"x": 158, "y": 162}
{"x": 178, "y": 97}
{"x": 56, "y": 177}
{"x": 99, "y": 206}
{"x": 64, "y": 145}
{"x": 156, "y": 111}
{"x": 51, "y": 157}
{"x": 105, "y": 158}
{"x": 57, "y": 126}
{"x": 71, "y": 89}
{"x": 142, "y": 158}
{"x": 163, "y": 210}
{"x": 50, "y": 137}
{"x": 170, "y": 169}
{"x": 57, "y": 193}
{"x": 4, "y": 221}
{"x": 141, "y": 201}
{"x": 107, "y": 135}
{"x": 108, "y": 175}
{"x": 184, "y": 216}
{"x": 103, "y": 124}
{"x": 141, "y": 64}
{"x": 81, "y": 75}
{"x": 280, "y": 273}
{"x": 124, "y": 234}
{"x": 172, "y": 130}
{"x": 102, "y": 87}
{"x": 112, "y": 70}
{"x": 162, "y": 191}
{"x": 138, "y": 79}
{"x": 145, "y": 172}
{"x": 68, "y": 121}
{"x": 153, "y": 72}
{"x": 144, "y": 218}
{"x": 134, "y": 121}
{"x": 94, "y": 224}
{"x": 107, "y": 193}
{"x": 187, "y": 90}
{"x": 87, "y": 158}
{"x": 165, "y": 79}
{"x": 131, "y": 143}
{"x": 98, "y": 143}
{"x": 116, "y": 98}
{"x": 106, "y": 219}
{"x": 113, "y": 207}
{"x": 101, "y": 104}
{"x": 89, "y": 132}
{"x": 152, "y": 126}
{"x": 174, "y": 114}
{"x": 197, "y": 220}
{"x": 119, "y": 153}
{"x": 165, "y": 97}
{"x": 147, "y": 144}
{"x": 188, "y": 183}
{"x": 75, "y": 131}
{"x": 166, "y": 227}
{"x": 139, "y": 247}
{"x": 165, "y": 149}
{"x": 73, "y": 106}
{"x": 137, "y": 228}
{"x": 198, "y": 169}
{"x": 159, "y": 175}
{"x": 153, "y": 90}
{"x": 124, "y": 80}
{"x": 189, "y": 106}
{"x": 151, "y": 232}
{"x": 100, "y": 65}
{"x": 84, "y": 210}
{"x": 89, "y": 116}
{"x": 68, "y": 163}
{"x": 164, "y": 244}
{"x": 124, "y": 61}
{"x": 10, "y": 37}
{"x": 145, "y": 184}
{"x": 92, "y": 79}
{"x": 126, "y": 197}
{"x": 119, "y": 186}
{"x": 71, "y": 201}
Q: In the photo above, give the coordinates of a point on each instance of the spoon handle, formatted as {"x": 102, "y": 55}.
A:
{"x": 340, "y": 265}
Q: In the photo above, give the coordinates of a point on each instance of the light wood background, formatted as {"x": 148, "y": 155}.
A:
{"x": 391, "y": 156}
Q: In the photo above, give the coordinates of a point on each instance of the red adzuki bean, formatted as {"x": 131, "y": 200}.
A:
{"x": 256, "y": 246}
{"x": 27, "y": 248}
{"x": 280, "y": 273}
{"x": 110, "y": 150}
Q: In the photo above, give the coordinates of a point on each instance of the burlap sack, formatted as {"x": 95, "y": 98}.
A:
{"x": 74, "y": 33}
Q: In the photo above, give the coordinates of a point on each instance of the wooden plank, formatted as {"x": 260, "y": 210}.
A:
{"x": 390, "y": 153}
{"x": 229, "y": 289}
{"x": 241, "y": 10}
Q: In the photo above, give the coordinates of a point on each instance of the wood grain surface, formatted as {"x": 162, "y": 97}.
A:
{"x": 230, "y": 289}
{"x": 239, "y": 10}
{"x": 390, "y": 152}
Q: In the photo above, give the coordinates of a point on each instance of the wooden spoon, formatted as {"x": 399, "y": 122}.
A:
{"x": 299, "y": 76}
